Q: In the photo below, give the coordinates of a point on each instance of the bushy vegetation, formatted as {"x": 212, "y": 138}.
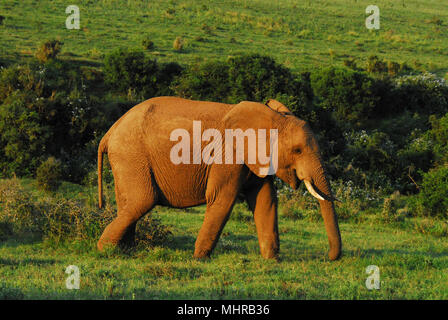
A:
{"x": 348, "y": 94}
{"x": 432, "y": 199}
{"x": 129, "y": 71}
{"x": 49, "y": 174}
{"x": 57, "y": 219}
{"x": 48, "y": 50}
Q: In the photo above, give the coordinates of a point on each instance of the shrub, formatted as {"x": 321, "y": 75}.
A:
{"x": 258, "y": 78}
{"x": 385, "y": 67}
{"x": 45, "y": 110}
{"x": 394, "y": 209}
{"x": 375, "y": 65}
{"x": 290, "y": 210}
{"x": 23, "y": 139}
{"x": 49, "y": 174}
{"x": 298, "y": 204}
{"x": 151, "y": 232}
{"x": 425, "y": 93}
{"x": 349, "y": 94}
{"x": 147, "y": 44}
{"x": 178, "y": 44}
{"x": 208, "y": 81}
{"x": 432, "y": 199}
{"x": 48, "y": 50}
{"x": 430, "y": 226}
{"x": 240, "y": 212}
{"x": 18, "y": 208}
{"x": 247, "y": 77}
{"x": 59, "y": 220}
{"x": 370, "y": 151}
{"x": 128, "y": 70}
{"x": 438, "y": 136}
{"x": 5, "y": 230}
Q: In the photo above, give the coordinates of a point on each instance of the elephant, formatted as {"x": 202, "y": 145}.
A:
{"x": 140, "y": 148}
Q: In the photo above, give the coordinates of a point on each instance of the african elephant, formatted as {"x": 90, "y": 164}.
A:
{"x": 140, "y": 150}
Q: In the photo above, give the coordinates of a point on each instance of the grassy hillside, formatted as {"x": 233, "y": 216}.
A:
{"x": 299, "y": 34}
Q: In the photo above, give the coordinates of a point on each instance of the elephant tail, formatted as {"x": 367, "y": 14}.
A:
{"x": 102, "y": 148}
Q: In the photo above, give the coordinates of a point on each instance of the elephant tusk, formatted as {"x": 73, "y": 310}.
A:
{"x": 311, "y": 190}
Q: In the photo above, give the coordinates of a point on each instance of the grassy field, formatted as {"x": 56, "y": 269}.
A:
{"x": 413, "y": 264}
{"x": 299, "y": 34}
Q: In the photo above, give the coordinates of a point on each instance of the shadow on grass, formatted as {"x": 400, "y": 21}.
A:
{"x": 16, "y": 241}
{"x": 25, "y": 261}
{"x": 367, "y": 253}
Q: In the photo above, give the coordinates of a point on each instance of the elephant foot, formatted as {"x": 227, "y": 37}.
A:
{"x": 334, "y": 254}
{"x": 269, "y": 251}
{"x": 104, "y": 246}
{"x": 201, "y": 254}
{"x": 271, "y": 256}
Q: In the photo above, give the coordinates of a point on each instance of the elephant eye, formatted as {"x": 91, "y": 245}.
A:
{"x": 297, "y": 150}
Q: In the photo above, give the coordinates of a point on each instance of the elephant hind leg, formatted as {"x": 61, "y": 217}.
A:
{"x": 135, "y": 195}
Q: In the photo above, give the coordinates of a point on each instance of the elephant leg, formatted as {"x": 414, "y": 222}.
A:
{"x": 220, "y": 202}
{"x": 262, "y": 200}
{"x": 135, "y": 195}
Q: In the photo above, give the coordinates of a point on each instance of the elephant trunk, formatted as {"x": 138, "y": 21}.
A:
{"x": 319, "y": 187}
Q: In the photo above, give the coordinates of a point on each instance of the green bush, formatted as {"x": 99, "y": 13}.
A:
{"x": 208, "y": 81}
{"x": 424, "y": 93}
{"x": 382, "y": 67}
{"x": 18, "y": 209}
{"x": 178, "y": 44}
{"x": 59, "y": 220}
{"x": 291, "y": 210}
{"x": 258, "y": 78}
{"x": 129, "y": 70}
{"x": 23, "y": 137}
{"x": 49, "y": 174}
{"x": 6, "y": 230}
{"x": 240, "y": 212}
{"x": 48, "y": 50}
{"x": 246, "y": 77}
{"x": 126, "y": 69}
{"x": 394, "y": 209}
{"x": 147, "y": 44}
{"x": 432, "y": 199}
{"x": 349, "y": 94}
{"x": 151, "y": 232}
{"x": 438, "y": 137}
{"x": 48, "y": 110}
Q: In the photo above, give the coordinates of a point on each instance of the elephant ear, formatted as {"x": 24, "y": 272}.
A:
{"x": 278, "y": 106}
{"x": 256, "y": 124}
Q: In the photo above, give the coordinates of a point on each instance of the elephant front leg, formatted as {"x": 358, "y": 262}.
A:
{"x": 216, "y": 215}
{"x": 215, "y": 219}
{"x": 262, "y": 201}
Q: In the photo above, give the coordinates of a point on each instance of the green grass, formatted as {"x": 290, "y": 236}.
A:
{"x": 299, "y": 34}
{"x": 413, "y": 265}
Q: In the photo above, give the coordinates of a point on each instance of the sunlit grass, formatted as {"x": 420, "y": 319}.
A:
{"x": 298, "y": 34}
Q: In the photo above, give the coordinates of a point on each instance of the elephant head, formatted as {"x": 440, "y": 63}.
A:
{"x": 299, "y": 157}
